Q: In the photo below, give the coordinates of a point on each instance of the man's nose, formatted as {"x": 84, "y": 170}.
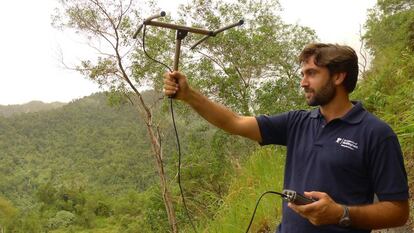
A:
{"x": 304, "y": 82}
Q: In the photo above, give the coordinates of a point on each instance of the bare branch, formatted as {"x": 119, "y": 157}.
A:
{"x": 246, "y": 84}
{"x": 123, "y": 12}
{"x": 217, "y": 62}
{"x": 363, "y": 53}
{"x": 92, "y": 28}
{"x": 105, "y": 12}
{"x": 100, "y": 51}
{"x": 127, "y": 9}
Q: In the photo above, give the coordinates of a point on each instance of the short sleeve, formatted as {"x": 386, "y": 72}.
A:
{"x": 387, "y": 170}
{"x": 273, "y": 129}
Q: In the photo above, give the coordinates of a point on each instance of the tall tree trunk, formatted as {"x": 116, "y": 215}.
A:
{"x": 155, "y": 144}
{"x": 166, "y": 195}
{"x": 157, "y": 152}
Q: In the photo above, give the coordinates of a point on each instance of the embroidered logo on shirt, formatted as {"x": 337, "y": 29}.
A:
{"x": 349, "y": 144}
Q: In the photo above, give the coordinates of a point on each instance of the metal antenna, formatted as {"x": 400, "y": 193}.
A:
{"x": 241, "y": 22}
{"x": 182, "y": 32}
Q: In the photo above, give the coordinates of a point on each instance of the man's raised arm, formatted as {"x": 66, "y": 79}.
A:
{"x": 175, "y": 84}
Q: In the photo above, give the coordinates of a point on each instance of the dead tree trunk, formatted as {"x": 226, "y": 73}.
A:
{"x": 156, "y": 148}
{"x": 166, "y": 195}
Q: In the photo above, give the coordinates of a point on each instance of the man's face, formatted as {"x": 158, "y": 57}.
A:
{"x": 317, "y": 83}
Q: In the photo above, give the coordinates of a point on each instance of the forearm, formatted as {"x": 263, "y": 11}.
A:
{"x": 216, "y": 114}
{"x": 383, "y": 214}
{"x": 325, "y": 211}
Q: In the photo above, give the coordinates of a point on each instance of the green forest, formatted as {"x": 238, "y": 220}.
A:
{"x": 108, "y": 162}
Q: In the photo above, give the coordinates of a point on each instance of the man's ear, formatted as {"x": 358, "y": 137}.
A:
{"x": 339, "y": 78}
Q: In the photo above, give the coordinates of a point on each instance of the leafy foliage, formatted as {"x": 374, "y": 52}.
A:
{"x": 53, "y": 160}
{"x": 242, "y": 65}
{"x": 7, "y": 213}
{"x": 87, "y": 166}
{"x": 386, "y": 88}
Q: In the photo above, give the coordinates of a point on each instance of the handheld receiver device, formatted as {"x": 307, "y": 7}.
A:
{"x": 296, "y": 198}
{"x": 287, "y": 195}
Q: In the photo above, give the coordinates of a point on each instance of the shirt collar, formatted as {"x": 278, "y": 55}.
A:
{"x": 354, "y": 116}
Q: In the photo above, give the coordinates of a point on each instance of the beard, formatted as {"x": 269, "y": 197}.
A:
{"x": 322, "y": 96}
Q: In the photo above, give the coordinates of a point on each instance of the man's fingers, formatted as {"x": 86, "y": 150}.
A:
{"x": 176, "y": 75}
{"x": 170, "y": 88}
{"x": 316, "y": 195}
{"x": 303, "y": 209}
{"x": 293, "y": 207}
{"x": 169, "y": 79}
{"x": 169, "y": 92}
{"x": 299, "y": 209}
{"x": 168, "y": 82}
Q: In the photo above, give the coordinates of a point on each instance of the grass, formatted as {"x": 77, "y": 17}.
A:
{"x": 262, "y": 172}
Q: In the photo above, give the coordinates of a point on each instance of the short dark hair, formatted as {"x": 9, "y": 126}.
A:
{"x": 337, "y": 58}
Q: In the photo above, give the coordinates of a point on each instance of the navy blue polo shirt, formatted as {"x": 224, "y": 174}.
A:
{"x": 350, "y": 158}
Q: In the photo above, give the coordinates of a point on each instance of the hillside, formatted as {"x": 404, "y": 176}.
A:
{"x": 84, "y": 141}
{"x": 32, "y": 106}
{"x": 87, "y": 164}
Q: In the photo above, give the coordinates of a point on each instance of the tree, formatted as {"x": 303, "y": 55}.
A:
{"x": 387, "y": 87}
{"x": 7, "y": 213}
{"x": 113, "y": 23}
{"x": 252, "y": 68}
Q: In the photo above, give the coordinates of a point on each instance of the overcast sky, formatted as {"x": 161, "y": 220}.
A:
{"x": 30, "y": 47}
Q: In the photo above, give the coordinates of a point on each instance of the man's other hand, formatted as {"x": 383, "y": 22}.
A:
{"x": 321, "y": 212}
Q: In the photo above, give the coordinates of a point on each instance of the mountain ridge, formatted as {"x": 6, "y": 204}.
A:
{"x": 31, "y": 106}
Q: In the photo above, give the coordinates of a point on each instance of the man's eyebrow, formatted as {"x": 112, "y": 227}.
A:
{"x": 308, "y": 70}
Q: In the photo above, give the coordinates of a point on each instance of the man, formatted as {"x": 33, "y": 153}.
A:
{"x": 338, "y": 154}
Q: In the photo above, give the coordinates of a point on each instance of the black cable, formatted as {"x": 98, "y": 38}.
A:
{"x": 176, "y": 134}
{"x": 145, "y": 51}
{"x": 179, "y": 165}
{"x": 257, "y": 204}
